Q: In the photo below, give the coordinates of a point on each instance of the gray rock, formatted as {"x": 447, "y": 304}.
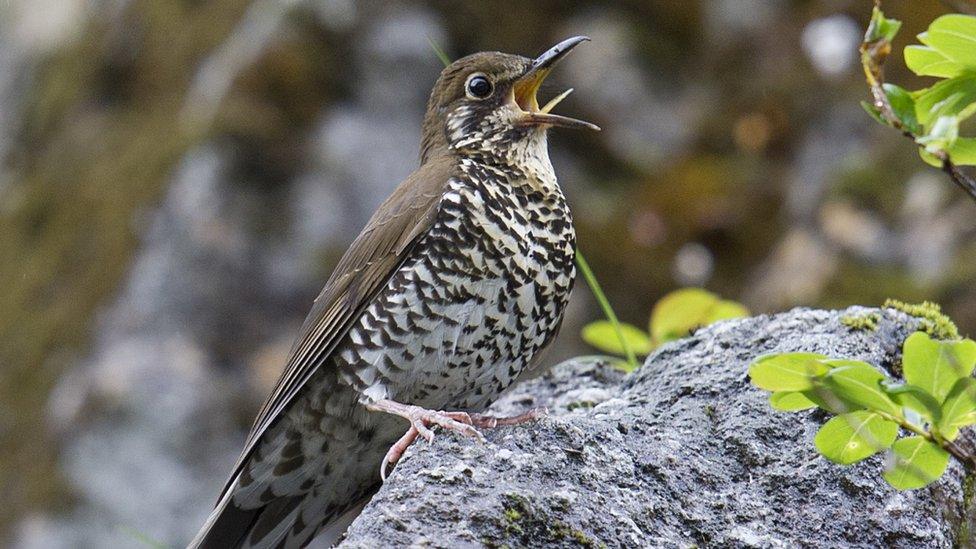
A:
{"x": 683, "y": 453}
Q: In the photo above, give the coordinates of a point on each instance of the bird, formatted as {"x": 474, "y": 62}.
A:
{"x": 450, "y": 293}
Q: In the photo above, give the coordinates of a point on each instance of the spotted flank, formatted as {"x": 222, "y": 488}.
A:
{"x": 459, "y": 322}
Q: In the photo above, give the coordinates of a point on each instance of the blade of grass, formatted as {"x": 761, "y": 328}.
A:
{"x": 438, "y": 51}
{"x": 601, "y": 298}
{"x": 141, "y": 537}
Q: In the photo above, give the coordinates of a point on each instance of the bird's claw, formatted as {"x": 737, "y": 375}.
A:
{"x": 421, "y": 419}
{"x": 459, "y": 422}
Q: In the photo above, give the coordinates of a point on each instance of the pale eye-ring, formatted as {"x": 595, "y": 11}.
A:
{"x": 478, "y": 86}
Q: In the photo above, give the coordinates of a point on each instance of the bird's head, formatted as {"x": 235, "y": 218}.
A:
{"x": 486, "y": 103}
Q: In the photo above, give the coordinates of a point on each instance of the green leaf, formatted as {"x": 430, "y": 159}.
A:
{"x": 788, "y": 401}
{"x": 725, "y": 309}
{"x": 962, "y": 152}
{"x": 943, "y": 134}
{"x": 903, "y": 104}
{"x": 445, "y": 60}
{"x": 880, "y": 27}
{"x": 873, "y": 112}
{"x": 946, "y": 98}
{"x": 826, "y": 399}
{"x": 915, "y": 398}
{"x": 601, "y": 299}
{"x": 849, "y": 438}
{"x": 917, "y": 463}
{"x": 681, "y": 311}
{"x": 954, "y": 36}
{"x": 602, "y": 335}
{"x": 860, "y": 383}
{"x": 959, "y": 409}
{"x": 934, "y": 365}
{"x": 930, "y": 158}
{"x": 787, "y": 371}
{"x": 966, "y": 112}
{"x": 925, "y": 61}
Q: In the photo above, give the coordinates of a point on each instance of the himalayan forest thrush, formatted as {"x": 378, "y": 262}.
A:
{"x": 449, "y": 294}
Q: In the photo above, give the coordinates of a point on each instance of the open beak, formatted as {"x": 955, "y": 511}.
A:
{"x": 528, "y": 84}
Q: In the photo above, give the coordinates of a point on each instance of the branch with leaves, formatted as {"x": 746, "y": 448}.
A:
{"x": 931, "y": 116}
{"x": 932, "y": 404}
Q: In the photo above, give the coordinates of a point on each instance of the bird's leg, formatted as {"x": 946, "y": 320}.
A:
{"x": 420, "y": 421}
{"x": 396, "y": 451}
{"x": 486, "y": 421}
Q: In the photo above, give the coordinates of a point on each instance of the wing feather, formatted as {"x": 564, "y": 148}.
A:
{"x": 376, "y": 254}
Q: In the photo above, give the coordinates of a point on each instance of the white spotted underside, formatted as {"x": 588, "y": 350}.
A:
{"x": 484, "y": 293}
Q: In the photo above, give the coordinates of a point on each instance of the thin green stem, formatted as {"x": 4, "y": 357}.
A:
{"x": 907, "y": 425}
{"x": 964, "y": 457}
{"x": 438, "y": 51}
{"x": 141, "y": 537}
{"x": 601, "y": 298}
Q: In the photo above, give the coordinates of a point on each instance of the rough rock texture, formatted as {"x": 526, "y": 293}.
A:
{"x": 682, "y": 453}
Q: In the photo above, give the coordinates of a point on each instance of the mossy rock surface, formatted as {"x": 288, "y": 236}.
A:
{"x": 684, "y": 452}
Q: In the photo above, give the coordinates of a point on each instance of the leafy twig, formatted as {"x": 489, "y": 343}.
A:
{"x": 874, "y": 51}
{"x": 964, "y": 182}
{"x": 964, "y": 457}
{"x": 968, "y": 460}
{"x": 935, "y": 402}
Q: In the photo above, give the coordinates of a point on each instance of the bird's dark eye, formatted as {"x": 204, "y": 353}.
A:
{"x": 479, "y": 87}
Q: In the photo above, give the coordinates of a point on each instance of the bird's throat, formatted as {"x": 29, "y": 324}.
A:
{"x": 525, "y": 158}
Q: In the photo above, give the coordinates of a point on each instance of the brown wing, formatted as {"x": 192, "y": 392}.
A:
{"x": 362, "y": 272}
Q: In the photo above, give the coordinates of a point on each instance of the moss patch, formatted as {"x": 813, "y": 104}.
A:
{"x": 965, "y": 534}
{"x": 933, "y": 321}
{"x": 579, "y": 404}
{"x": 525, "y": 525}
{"x": 512, "y": 519}
{"x": 867, "y": 322}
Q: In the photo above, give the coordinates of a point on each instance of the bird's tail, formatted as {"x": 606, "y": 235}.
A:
{"x": 279, "y": 523}
{"x": 230, "y": 526}
{"x": 296, "y": 488}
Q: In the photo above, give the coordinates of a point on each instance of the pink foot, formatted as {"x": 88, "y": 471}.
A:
{"x": 490, "y": 422}
{"x": 421, "y": 419}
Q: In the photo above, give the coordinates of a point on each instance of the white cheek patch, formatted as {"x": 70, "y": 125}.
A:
{"x": 456, "y": 122}
{"x": 489, "y": 132}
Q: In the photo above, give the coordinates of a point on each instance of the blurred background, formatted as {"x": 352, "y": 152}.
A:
{"x": 177, "y": 179}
